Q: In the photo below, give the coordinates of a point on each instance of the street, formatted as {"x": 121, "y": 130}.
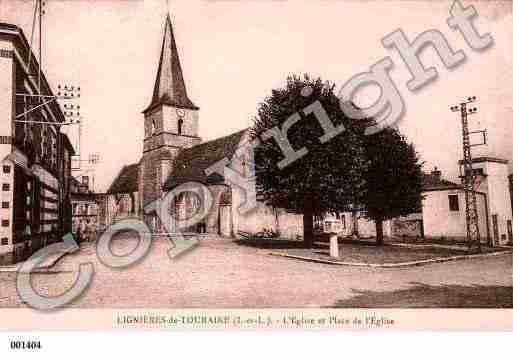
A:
{"x": 222, "y": 274}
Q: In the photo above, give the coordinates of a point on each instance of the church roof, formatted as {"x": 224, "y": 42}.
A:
{"x": 191, "y": 163}
{"x": 126, "y": 181}
{"x": 169, "y": 88}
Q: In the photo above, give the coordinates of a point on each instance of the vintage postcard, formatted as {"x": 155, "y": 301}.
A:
{"x": 244, "y": 164}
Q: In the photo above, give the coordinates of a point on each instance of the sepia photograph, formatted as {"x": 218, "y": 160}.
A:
{"x": 343, "y": 164}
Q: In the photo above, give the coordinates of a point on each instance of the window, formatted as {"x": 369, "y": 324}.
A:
{"x": 7, "y": 169}
{"x": 454, "y": 204}
{"x": 5, "y": 204}
{"x": 43, "y": 141}
{"x": 153, "y": 127}
{"x": 5, "y": 223}
{"x": 5, "y": 241}
{"x": 6, "y": 187}
{"x": 478, "y": 171}
{"x": 180, "y": 126}
{"x": 53, "y": 151}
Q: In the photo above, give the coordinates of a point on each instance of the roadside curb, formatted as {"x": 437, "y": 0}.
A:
{"x": 42, "y": 268}
{"x": 429, "y": 245}
{"x": 392, "y": 265}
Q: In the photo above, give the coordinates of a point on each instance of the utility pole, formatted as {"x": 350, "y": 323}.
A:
{"x": 69, "y": 96}
{"x": 33, "y": 105}
{"x": 468, "y": 177}
{"x": 94, "y": 159}
{"x": 40, "y": 5}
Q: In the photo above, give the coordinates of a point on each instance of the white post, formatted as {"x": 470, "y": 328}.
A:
{"x": 334, "y": 246}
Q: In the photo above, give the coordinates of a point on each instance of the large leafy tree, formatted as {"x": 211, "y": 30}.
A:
{"x": 393, "y": 178}
{"x": 330, "y": 176}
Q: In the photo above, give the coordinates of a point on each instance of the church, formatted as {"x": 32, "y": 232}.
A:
{"x": 174, "y": 154}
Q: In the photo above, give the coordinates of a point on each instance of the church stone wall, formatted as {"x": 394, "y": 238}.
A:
{"x": 213, "y": 220}
{"x": 152, "y": 176}
{"x": 170, "y": 139}
{"x": 155, "y": 117}
{"x": 225, "y": 215}
{"x": 190, "y": 121}
{"x": 161, "y": 146}
{"x": 288, "y": 225}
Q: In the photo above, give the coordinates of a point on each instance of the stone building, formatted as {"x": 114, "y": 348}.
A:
{"x": 67, "y": 184}
{"x": 174, "y": 154}
{"x": 122, "y": 197}
{"x": 35, "y": 155}
{"x": 85, "y": 210}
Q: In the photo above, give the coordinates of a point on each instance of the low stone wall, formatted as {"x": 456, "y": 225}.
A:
{"x": 288, "y": 225}
{"x": 407, "y": 228}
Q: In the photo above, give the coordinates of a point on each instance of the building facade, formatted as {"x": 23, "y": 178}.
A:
{"x": 86, "y": 210}
{"x": 174, "y": 154}
{"x": 443, "y": 214}
{"x": 35, "y": 155}
{"x": 122, "y": 199}
{"x": 443, "y": 208}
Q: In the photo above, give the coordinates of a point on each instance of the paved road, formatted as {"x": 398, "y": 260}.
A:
{"x": 221, "y": 274}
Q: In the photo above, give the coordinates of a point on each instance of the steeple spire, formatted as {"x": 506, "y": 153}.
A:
{"x": 169, "y": 86}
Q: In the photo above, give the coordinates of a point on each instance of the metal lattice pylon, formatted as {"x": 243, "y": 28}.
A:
{"x": 468, "y": 176}
{"x": 473, "y": 234}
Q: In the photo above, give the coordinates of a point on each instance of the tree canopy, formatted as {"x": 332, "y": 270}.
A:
{"x": 380, "y": 172}
{"x": 393, "y": 178}
{"x": 329, "y": 177}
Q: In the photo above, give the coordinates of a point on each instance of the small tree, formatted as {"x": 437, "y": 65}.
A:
{"x": 329, "y": 177}
{"x": 393, "y": 178}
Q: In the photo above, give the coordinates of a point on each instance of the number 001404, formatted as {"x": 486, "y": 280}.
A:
{"x": 25, "y": 345}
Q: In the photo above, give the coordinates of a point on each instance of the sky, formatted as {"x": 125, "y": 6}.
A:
{"x": 234, "y": 52}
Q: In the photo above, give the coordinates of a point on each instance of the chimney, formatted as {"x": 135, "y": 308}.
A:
{"x": 437, "y": 175}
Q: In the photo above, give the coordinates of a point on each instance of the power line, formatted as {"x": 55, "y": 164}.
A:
{"x": 468, "y": 177}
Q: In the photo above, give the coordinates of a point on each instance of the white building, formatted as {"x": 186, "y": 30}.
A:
{"x": 443, "y": 208}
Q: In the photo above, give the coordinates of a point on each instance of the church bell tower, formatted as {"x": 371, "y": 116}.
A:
{"x": 170, "y": 121}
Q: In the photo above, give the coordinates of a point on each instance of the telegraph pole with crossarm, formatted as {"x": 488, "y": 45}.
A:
{"x": 468, "y": 177}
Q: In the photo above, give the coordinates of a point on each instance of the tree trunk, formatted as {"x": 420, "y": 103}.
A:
{"x": 277, "y": 221}
{"x": 308, "y": 235}
{"x": 379, "y": 232}
{"x": 354, "y": 217}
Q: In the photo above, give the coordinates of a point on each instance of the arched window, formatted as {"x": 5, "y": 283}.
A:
{"x": 153, "y": 127}
{"x": 180, "y": 126}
